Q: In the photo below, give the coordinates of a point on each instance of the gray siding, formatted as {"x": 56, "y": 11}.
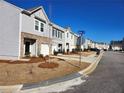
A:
{"x": 9, "y": 30}
{"x": 28, "y": 24}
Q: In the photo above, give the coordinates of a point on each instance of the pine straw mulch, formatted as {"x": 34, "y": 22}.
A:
{"x": 21, "y": 73}
{"x": 30, "y": 60}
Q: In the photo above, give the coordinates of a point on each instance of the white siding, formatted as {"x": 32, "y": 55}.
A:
{"x": 9, "y": 29}
{"x": 56, "y": 40}
{"x": 68, "y": 39}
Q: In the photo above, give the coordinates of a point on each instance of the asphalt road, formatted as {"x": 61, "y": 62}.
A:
{"x": 107, "y": 78}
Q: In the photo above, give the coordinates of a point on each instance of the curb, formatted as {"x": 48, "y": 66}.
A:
{"x": 92, "y": 67}
{"x": 84, "y": 72}
{"x": 87, "y": 71}
{"x": 10, "y": 89}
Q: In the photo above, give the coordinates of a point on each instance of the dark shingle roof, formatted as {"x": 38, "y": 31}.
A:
{"x": 33, "y": 8}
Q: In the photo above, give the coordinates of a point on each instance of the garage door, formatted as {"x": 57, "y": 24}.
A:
{"x": 45, "y": 49}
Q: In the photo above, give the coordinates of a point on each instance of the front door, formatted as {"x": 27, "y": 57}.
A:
{"x": 60, "y": 48}
{"x": 27, "y": 48}
{"x": 67, "y": 47}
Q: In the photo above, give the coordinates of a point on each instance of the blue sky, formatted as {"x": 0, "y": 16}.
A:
{"x": 102, "y": 20}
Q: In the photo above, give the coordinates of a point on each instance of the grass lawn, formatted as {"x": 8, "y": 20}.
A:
{"x": 19, "y": 72}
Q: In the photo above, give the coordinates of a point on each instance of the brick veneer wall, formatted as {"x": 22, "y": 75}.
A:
{"x": 39, "y": 40}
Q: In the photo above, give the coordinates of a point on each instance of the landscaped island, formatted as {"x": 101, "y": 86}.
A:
{"x": 19, "y": 72}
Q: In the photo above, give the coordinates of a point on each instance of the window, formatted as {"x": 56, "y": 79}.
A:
{"x": 36, "y": 25}
{"x": 41, "y": 27}
{"x": 53, "y": 32}
{"x": 71, "y": 36}
{"x": 56, "y": 33}
{"x": 67, "y": 35}
{"x": 61, "y": 35}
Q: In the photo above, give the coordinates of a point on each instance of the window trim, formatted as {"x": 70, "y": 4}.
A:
{"x": 67, "y": 35}
{"x": 37, "y": 24}
{"x": 41, "y": 27}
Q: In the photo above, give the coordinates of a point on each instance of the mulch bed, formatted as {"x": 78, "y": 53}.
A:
{"x": 19, "y": 73}
{"x": 31, "y": 60}
{"x": 50, "y": 65}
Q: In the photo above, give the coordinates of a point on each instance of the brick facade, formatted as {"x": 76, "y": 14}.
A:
{"x": 39, "y": 40}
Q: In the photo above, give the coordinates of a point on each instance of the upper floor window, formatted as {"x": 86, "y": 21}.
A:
{"x": 71, "y": 36}
{"x": 41, "y": 27}
{"x": 61, "y": 35}
{"x": 53, "y": 32}
{"x": 67, "y": 35}
{"x": 36, "y": 25}
{"x": 56, "y": 33}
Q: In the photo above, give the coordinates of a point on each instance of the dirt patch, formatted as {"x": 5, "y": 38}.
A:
{"x": 11, "y": 74}
{"x": 31, "y": 60}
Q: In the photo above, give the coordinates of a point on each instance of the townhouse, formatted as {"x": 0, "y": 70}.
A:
{"x": 58, "y": 38}
{"x": 117, "y": 45}
{"x": 30, "y": 32}
{"x": 25, "y": 32}
{"x": 101, "y": 45}
{"x": 89, "y": 44}
{"x": 71, "y": 40}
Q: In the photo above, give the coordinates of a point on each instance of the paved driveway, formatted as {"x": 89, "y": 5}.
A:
{"x": 107, "y": 78}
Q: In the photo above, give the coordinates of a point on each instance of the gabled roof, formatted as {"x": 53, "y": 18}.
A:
{"x": 33, "y": 10}
{"x": 57, "y": 26}
{"x": 29, "y": 11}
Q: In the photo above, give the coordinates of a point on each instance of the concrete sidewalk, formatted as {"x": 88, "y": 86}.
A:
{"x": 88, "y": 59}
{"x": 54, "y": 85}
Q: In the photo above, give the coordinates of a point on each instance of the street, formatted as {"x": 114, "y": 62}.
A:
{"x": 107, "y": 78}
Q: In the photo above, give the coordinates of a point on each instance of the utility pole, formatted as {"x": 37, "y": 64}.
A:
{"x": 50, "y": 26}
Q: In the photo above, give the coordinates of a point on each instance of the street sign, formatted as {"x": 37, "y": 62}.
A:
{"x": 81, "y": 32}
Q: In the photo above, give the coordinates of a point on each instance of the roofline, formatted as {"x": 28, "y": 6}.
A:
{"x": 74, "y": 33}
{"x": 37, "y": 9}
{"x": 58, "y": 27}
{"x": 30, "y": 12}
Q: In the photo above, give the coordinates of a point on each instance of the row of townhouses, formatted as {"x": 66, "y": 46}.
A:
{"x": 117, "y": 45}
{"x": 90, "y": 44}
{"x": 30, "y": 31}
{"x": 24, "y": 32}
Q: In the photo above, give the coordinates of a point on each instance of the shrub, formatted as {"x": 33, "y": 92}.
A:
{"x": 55, "y": 53}
{"x": 41, "y": 56}
{"x": 46, "y": 57}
